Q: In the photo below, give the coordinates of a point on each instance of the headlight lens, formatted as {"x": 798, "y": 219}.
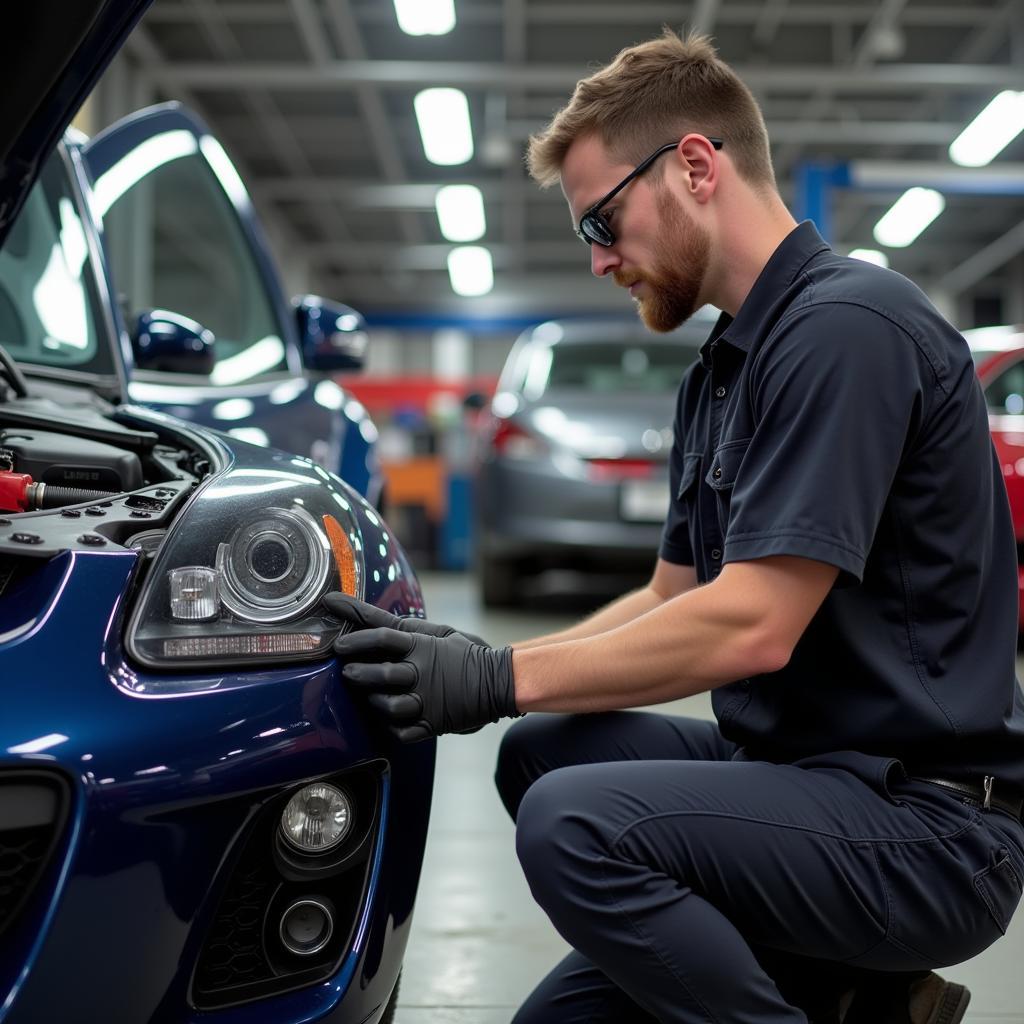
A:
{"x": 274, "y": 566}
{"x": 242, "y": 574}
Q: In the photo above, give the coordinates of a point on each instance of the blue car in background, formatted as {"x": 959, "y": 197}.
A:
{"x": 188, "y": 260}
{"x": 197, "y": 821}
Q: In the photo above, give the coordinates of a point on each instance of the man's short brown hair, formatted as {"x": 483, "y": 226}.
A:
{"x": 654, "y": 92}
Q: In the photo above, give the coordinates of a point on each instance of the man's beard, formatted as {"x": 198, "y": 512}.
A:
{"x": 672, "y": 292}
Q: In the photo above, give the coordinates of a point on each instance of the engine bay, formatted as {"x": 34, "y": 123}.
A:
{"x": 82, "y": 478}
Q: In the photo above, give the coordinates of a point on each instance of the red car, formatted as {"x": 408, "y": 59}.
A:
{"x": 999, "y": 359}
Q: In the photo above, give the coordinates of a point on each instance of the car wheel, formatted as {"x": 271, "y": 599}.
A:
{"x": 389, "y": 1012}
{"x": 499, "y": 584}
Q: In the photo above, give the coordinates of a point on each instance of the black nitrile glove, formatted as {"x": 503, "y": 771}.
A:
{"x": 360, "y": 615}
{"x": 429, "y": 685}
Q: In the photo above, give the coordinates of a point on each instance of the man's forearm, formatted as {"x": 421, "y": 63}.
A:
{"x": 691, "y": 643}
{"x": 622, "y": 610}
{"x": 746, "y": 623}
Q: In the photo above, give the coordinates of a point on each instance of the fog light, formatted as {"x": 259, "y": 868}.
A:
{"x": 317, "y": 818}
{"x": 307, "y": 926}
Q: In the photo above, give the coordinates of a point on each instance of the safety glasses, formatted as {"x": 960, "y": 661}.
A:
{"x": 594, "y": 228}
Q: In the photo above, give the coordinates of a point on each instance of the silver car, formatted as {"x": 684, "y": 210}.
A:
{"x": 574, "y": 469}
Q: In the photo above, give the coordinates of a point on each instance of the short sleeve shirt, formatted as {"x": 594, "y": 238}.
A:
{"x": 838, "y": 418}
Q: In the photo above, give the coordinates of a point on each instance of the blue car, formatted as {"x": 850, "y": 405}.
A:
{"x": 189, "y": 260}
{"x": 197, "y": 820}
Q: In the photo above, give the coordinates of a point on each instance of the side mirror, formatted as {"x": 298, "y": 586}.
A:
{"x": 171, "y": 343}
{"x": 333, "y": 336}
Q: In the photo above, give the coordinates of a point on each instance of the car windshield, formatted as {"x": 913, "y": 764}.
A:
{"x": 606, "y": 368}
{"x": 48, "y": 305}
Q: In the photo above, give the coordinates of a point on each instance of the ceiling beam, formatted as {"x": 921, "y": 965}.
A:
{"x": 409, "y": 73}
{"x": 932, "y": 133}
{"x": 377, "y": 12}
{"x": 982, "y": 263}
{"x": 998, "y": 179}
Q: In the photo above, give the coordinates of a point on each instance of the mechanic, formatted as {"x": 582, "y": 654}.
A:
{"x": 837, "y": 567}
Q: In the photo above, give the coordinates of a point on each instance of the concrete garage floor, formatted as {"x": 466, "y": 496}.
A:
{"x": 479, "y": 943}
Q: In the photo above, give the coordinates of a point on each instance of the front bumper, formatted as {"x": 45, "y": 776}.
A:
{"x": 167, "y": 797}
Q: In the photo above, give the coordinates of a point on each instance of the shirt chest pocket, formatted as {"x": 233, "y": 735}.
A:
{"x": 722, "y": 473}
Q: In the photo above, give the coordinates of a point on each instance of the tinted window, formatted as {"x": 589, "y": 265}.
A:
{"x": 609, "y": 368}
{"x": 175, "y": 242}
{"x": 1005, "y": 395}
{"x": 48, "y": 309}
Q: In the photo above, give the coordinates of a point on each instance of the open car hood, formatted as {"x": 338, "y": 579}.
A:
{"x": 50, "y": 62}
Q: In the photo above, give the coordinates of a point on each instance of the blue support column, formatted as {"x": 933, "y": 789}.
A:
{"x": 812, "y": 198}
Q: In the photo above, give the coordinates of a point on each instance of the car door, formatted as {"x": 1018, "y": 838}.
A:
{"x": 181, "y": 235}
{"x": 1003, "y": 382}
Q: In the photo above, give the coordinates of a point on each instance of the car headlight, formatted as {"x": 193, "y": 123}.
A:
{"x": 241, "y": 575}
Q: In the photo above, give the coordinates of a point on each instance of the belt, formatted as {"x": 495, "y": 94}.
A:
{"x": 984, "y": 795}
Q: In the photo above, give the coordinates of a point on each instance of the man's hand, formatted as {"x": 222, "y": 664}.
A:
{"x": 426, "y": 684}
{"x": 360, "y": 615}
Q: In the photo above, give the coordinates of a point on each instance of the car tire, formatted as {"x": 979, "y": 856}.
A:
{"x": 389, "y": 1012}
{"x": 499, "y": 584}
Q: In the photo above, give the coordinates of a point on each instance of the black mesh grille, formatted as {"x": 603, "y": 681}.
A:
{"x": 234, "y": 948}
{"x": 22, "y": 856}
{"x": 32, "y": 807}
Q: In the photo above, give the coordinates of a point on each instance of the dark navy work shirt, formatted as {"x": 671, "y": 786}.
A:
{"x": 838, "y": 417}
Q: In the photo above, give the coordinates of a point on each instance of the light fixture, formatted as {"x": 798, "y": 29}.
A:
{"x": 460, "y": 213}
{"x": 425, "y": 17}
{"x": 909, "y": 216}
{"x": 443, "y": 118}
{"x": 875, "y": 256}
{"x": 470, "y": 270}
{"x": 991, "y": 131}
{"x": 317, "y": 818}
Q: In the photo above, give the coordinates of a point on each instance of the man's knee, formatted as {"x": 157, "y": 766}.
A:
{"x": 556, "y": 837}
{"x": 514, "y": 772}
{"x": 529, "y": 749}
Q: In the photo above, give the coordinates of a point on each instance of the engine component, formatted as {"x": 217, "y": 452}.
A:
{"x": 20, "y": 493}
{"x": 66, "y": 461}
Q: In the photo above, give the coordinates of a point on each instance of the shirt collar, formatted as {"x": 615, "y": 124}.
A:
{"x": 781, "y": 270}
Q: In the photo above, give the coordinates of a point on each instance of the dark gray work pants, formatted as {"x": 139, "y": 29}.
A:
{"x": 698, "y": 888}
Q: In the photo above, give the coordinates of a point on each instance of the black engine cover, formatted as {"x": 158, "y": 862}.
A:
{"x": 72, "y": 461}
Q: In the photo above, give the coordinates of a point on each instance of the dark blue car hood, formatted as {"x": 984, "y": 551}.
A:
{"x": 51, "y": 58}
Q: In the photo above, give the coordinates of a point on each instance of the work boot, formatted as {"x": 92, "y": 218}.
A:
{"x": 908, "y": 999}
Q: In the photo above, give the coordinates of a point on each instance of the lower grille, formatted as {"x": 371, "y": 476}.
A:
{"x": 243, "y": 956}
{"x": 32, "y": 809}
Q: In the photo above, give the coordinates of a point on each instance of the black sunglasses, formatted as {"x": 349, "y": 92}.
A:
{"x": 593, "y": 226}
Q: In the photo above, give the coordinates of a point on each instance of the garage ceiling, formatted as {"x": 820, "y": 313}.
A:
{"x": 314, "y": 99}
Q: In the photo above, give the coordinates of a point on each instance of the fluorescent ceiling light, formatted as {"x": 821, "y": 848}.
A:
{"x": 425, "y": 17}
{"x": 470, "y": 270}
{"x": 875, "y": 256}
{"x": 443, "y": 117}
{"x": 460, "y": 212}
{"x": 909, "y": 216}
{"x": 991, "y": 131}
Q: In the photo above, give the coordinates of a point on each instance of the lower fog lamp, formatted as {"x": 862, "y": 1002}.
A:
{"x": 307, "y": 926}
{"x": 317, "y": 818}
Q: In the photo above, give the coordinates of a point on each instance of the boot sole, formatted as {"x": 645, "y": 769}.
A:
{"x": 952, "y": 1005}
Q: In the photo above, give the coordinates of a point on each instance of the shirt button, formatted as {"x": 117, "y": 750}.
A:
{"x": 716, "y": 553}
{"x": 717, "y": 473}
{"x": 720, "y": 392}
